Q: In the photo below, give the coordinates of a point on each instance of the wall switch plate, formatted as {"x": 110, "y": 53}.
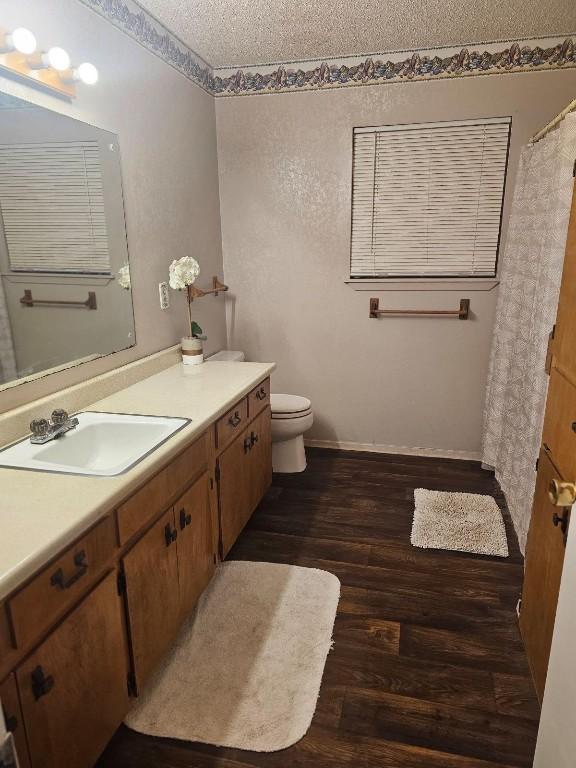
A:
{"x": 164, "y": 295}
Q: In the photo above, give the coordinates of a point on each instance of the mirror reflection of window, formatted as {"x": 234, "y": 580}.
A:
{"x": 52, "y": 206}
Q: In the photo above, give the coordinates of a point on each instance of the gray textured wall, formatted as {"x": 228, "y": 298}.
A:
{"x": 285, "y": 182}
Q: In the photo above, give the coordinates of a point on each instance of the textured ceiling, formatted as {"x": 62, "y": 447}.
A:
{"x": 245, "y": 32}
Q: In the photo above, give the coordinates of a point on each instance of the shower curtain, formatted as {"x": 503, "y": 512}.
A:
{"x": 8, "y": 370}
{"x": 526, "y": 311}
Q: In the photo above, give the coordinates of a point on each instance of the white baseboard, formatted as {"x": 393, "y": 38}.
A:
{"x": 438, "y": 453}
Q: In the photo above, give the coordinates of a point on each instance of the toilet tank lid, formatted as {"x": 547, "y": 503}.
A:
{"x": 228, "y": 355}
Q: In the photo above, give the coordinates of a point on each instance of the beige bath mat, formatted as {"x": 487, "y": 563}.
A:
{"x": 247, "y": 668}
{"x": 467, "y": 522}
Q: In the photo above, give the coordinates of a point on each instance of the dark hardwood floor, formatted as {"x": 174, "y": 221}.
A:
{"x": 428, "y": 669}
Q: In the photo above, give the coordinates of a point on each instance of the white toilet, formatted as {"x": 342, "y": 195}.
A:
{"x": 291, "y": 417}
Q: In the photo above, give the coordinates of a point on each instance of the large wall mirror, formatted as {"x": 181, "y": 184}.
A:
{"x": 65, "y": 293}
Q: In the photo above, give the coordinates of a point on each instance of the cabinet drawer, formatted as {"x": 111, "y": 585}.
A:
{"x": 259, "y": 398}
{"x": 231, "y": 424}
{"x": 58, "y": 586}
{"x": 560, "y": 424}
{"x": 164, "y": 487}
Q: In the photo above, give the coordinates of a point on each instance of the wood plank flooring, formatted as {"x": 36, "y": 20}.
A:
{"x": 428, "y": 669}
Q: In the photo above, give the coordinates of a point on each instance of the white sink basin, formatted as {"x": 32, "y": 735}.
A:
{"x": 102, "y": 444}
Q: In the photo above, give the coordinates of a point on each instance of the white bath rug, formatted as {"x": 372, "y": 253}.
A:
{"x": 466, "y": 522}
{"x": 247, "y": 667}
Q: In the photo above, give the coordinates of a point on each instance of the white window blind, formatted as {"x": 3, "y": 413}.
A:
{"x": 52, "y": 204}
{"x": 427, "y": 199}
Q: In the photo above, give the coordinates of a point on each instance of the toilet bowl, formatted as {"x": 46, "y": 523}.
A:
{"x": 291, "y": 417}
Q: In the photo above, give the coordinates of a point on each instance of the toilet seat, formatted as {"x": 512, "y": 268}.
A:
{"x": 289, "y": 407}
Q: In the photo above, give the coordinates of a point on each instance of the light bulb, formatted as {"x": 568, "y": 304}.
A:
{"x": 58, "y": 59}
{"x": 23, "y": 41}
{"x": 87, "y": 73}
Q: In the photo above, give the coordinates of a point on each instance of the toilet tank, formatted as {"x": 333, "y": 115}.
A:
{"x": 228, "y": 355}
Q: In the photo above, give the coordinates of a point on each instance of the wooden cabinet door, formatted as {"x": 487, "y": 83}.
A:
{"x": 260, "y": 457}
{"x": 13, "y": 717}
{"x": 73, "y": 687}
{"x": 151, "y": 570}
{"x": 195, "y": 544}
{"x": 545, "y": 555}
{"x": 234, "y": 489}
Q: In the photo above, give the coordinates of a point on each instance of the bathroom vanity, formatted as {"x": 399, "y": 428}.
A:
{"x": 98, "y": 573}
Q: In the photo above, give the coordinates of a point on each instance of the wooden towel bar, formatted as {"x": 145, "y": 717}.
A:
{"x": 462, "y": 313}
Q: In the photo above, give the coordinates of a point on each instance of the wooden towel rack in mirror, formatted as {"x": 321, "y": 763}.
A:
{"x": 29, "y": 301}
{"x": 462, "y": 314}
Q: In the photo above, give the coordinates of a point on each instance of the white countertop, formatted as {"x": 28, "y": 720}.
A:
{"x": 41, "y": 513}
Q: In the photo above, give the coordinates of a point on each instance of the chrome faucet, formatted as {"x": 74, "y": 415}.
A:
{"x": 43, "y": 430}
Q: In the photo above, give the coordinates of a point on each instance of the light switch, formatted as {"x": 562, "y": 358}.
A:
{"x": 164, "y": 295}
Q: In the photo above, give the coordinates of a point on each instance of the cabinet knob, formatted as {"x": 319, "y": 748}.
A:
{"x": 261, "y": 394}
{"x": 41, "y": 684}
{"x": 247, "y": 444}
{"x": 253, "y": 439}
{"x": 235, "y": 419}
{"x": 185, "y": 519}
{"x": 170, "y": 534}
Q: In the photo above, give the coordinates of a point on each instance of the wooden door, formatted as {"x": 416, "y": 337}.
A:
{"x": 555, "y": 489}
{"x": 13, "y": 717}
{"x": 260, "y": 457}
{"x": 151, "y": 571}
{"x": 234, "y": 489}
{"x": 545, "y": 556}
{"x": 73, "y": 687}
{"x": 195, "y": 546}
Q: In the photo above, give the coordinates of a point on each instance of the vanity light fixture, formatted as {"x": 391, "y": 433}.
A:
{"x": 21, "y": 40}
{"x": 58, "y": 58}
{"x": 52, "y": 70}
{"x": 86, "y": 73}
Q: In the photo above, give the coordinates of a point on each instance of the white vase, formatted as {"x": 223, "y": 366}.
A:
{"x": 192, "y": 351}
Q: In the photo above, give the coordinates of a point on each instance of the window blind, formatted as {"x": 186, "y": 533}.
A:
{"x": 427, "y": 199}
{"x": 52, "y": 204}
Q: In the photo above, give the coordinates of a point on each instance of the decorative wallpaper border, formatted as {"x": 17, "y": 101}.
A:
{"x": 131, "y": 18}
{"x": 417, "y": 66}
{"x": 523, "y": 56}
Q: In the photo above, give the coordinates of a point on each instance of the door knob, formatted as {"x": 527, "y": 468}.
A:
{"x": 562, "y": 494}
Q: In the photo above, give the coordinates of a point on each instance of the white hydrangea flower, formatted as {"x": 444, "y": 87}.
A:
{"x": 124, "y": 277}
{"x": 183, "y": 272}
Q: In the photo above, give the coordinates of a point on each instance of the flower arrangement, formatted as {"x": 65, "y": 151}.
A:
{"x": 182, "y": 275}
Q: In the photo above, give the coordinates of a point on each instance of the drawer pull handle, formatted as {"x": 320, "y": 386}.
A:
{"x": 261, "y": 394}
{"x": 41, "y": 684}
{"x": 170, "y": 534}
{"x": 185, "y": 519}
{"x": 253, "y": 439}
{"x": 235, "y": 419}
{"x": 247, "y": 444}
{"x": 58, "y": 580}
